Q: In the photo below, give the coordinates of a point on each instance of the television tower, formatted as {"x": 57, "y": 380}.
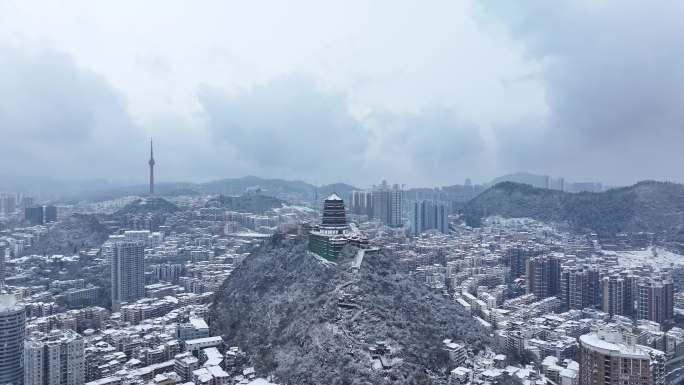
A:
{"x": 151, "y": 163}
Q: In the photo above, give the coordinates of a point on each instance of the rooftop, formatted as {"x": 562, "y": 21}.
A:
{"x": 333, "y": 197}
{"x": 595, "y": 342}
{"x": 8, "y": 303}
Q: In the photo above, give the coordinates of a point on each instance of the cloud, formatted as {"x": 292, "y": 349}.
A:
{"x": 287, "y": 127}
{"x": 58, "y": 119}
{"x": 433, "y": 146}
{"x": 290, "y": 128}
{"x": 614, "y": 84}
{"x": 582, "y": 89}
{"x": 67, "y": 121}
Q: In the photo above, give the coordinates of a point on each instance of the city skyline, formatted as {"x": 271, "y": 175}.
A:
{"x": 448, "y": 192}
{"x": 40, "y": 182}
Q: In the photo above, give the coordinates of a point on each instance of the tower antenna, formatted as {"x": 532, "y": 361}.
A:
{"x": 151, "y": 163}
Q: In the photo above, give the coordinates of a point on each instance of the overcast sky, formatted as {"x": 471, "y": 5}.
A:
{"x": 415, "y": 92}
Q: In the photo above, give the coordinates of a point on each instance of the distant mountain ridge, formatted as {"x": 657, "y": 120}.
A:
{"x": 546, "y": 181}
{"x": 250, "y": 203}
{"x": 521, "y": 177}
{"x": 70, "y": 191}
{"x": 649, "y": 206}
{"x": 47, "y": 187}
{"x": 279, "y": 188}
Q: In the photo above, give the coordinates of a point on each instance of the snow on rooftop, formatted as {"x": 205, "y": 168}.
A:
{"x": 606, "y": 347}
{"x": 199, "y": 323}
{"x": 333, "y": 197}
{"x": 569, "y": 372}
{"x": 261, "y": 381}
{"x": 550, "y": 360}
{"x": 8, "y": 302}
{"x": 203, "y": 340}
{"x": 461, "y": 371}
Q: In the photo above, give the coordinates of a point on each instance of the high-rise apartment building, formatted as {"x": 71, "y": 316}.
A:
{"x": 396, "y": 206}
{"x": 428, "y": 215}
{"x": 388, "y": 204}
{"x": 543, "y": 276}
{"x": 12, "y": 326}
{"x": 167, "y": 272}
{"x": 3, "y": 266}
{"x": 380, "y": 205}
{"x": 26, "y": 201}
{"x": 579, "y": 287}
{"x": 362, "y": 203}
{"x": 655, "y": 299}
{"x": 369, "y": 204}
{"x": 629, "y": 293}
{"x": 8, "y": 203}
{"x": 516, "y": 259}
{"x": 608, "y": 357}
{"x": 613, "y": 297}
{"x": 54, "y": 358}
{"x": 127, "y": 272}
{"x": 40, "y": 215}
{"x": 50, "y": 213}
{"x": 34, "y": 215}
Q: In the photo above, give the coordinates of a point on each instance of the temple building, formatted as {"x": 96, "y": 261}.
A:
{"x": 328, "y": 239}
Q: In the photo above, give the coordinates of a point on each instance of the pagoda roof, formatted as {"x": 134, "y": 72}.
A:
{"x": 333, "y": 197}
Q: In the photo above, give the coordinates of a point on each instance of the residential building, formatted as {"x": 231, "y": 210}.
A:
{"x": 428, "y": 215}
{"x": 127, "y": 272}
{"x": 579, "y": 287}
{"x": 543, "y": 276}
{"x": 34, "y": 215}
{"x": 54, "y": 358}
{"x": 388, "y": 204}
{"x": 12, "y": 326}
{"x": 613, "y": 292}
{"x": 608, "y": 357}
{"x": 40, "y": 215}
{"x": 655, "y": 299}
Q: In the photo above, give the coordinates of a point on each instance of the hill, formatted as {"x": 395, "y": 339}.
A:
{"x": 256, "y": 203}
{"x": 310, "y": 322}
{"x": 279, "y": 188}
{"x": 546, "y": 181}
{"x": 68, "y": 236}
{"x": 161, "y": 189}
{"x": 648, "y": 206}
{"x": 149, "y": 205}
{"x": 274, "y": 187}
{"x": 521, "y": 177}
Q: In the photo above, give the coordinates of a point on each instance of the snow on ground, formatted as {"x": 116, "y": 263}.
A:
{"x": 660, "y": 259}
{"x": 322, "y": 260}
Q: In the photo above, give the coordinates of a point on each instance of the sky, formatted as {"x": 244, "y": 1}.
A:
{"x": 418, "y": 93}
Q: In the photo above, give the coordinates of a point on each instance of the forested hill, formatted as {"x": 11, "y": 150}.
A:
{"x": 646, "y": 206}
{"x": 155, "y": 205}
{"x": 253, "y": 203}
{"x": 306, "y": 321}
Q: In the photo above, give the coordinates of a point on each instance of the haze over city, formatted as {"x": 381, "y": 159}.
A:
{"x": 427, "y": 94}
{"x": 341, "y": 192}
